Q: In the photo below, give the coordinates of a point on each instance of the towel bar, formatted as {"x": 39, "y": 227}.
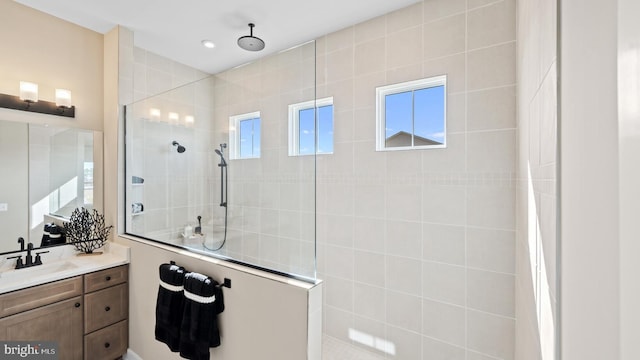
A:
{"x": 226, "y": 283}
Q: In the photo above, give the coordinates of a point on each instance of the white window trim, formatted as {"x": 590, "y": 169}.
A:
{"x": 383, "y": 91}
{"x": 234, "y": 134}
{"x": 294, "y": 124}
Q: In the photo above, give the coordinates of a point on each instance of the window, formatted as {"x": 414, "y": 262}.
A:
{"x": 311, "y": 123}
{"x": 411, "y": 115}
{"x": 244, "y": 136}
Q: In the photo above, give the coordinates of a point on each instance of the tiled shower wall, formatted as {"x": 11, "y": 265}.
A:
{"x": 271, "y": 199}
{"x": 417, "y": 247}
{"x": 536, "y": 295}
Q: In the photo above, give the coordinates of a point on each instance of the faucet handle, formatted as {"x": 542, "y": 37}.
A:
{"x": 19, "y": 264}
{"x": 21, "y": 242}
{"x": 38, "y": 260}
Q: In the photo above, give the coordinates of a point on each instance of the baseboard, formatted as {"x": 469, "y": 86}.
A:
{"x": 130, "y": 355}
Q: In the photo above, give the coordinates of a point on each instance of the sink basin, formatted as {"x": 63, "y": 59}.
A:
{"x": 35, "y": 271}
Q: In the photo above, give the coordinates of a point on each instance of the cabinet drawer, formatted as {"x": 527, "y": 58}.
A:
{"x": 105, "y": 307}
{"x": 105, "y": 278}
{"x": 31, "y": 298}
{"x": 108, "y": 343}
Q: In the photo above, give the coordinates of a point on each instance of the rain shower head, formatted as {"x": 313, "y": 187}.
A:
{"x": 180, "y": 148}
{"x": 250, "y": 42}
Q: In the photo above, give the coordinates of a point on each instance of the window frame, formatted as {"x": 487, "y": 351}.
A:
{"x": 234, "y": 135}
{"x": 294, "y": 124}
{"x": 383, "y": 91}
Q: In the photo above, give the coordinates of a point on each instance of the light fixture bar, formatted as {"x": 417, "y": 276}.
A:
{"x": 42, "y": 106}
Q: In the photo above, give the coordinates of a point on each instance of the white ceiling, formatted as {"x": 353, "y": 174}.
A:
{"x": 175, "y": 28}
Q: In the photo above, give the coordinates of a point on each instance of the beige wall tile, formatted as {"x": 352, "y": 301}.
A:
{"x": 444, "y": 205}
{"x": 443, "y": 322}
{"x": 445, "y": 283}
{"x": 371, "y": 29}
{"x": 408, "y": 345}
{"x": 405, "y": 47}
{"x": 491, "y": 207}
{"x": 453, "y": 66}
{"x": 491, "y": 334}
{"x": 492, "y": 250}
{"x": 370, "y": 268}
{"x": 370, "y": 57}
{"x": 491, "y": 292}
{"x": 492, "y": 24}
{"x": 339, "y": 293}
{"x": 404, "y": 275}
{"x": 445, "y": 37}
{"x": 369, "y": 234}
{"x": 492, "y": 109}
{"x": 403, "y": 238}
{"x": 435, "y": 9}
{"x": 370, "y": 303}
{"x": 443, "y": 243}
{"x": 491, "y": 151}
{"x": 434, "y": 349}
{"x": 492, "y": 67}
{"x": 404, "y": 311}
{"x": 405, "y": 18}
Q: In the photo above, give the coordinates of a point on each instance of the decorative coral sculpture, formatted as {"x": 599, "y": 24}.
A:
{"x": 86, "y": 230}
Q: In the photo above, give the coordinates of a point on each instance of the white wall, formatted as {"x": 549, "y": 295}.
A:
{"x": 54, "y": 54}
{"x": 590, "y": 248}
{"x": 629, "y": 138}
{"x": 536, "y": 202}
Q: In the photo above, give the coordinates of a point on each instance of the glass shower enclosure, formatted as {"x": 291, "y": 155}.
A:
{"x": 208, "y": 166}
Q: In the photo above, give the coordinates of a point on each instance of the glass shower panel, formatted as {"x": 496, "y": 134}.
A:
{"x": 184, "y": 189}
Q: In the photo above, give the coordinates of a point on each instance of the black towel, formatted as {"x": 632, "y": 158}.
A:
{"x": 170, "y": 305}
{"x": 199, "y": 330}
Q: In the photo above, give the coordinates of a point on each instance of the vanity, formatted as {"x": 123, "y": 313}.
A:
{"x": 80, "y": 302}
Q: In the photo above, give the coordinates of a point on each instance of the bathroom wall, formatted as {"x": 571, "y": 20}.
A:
{"x": 629, "y": 146}
{"x": 536, "y": 195}
{"x": 54, "y": 54}
{"x": 589, "y": 194}
{"x": 271, "y": 199}
{"x": 417, "y": 248}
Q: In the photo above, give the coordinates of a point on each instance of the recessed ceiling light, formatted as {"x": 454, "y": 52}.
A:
{"x": 208, "y": 44}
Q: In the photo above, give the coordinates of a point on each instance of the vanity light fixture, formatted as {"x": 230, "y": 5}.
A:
{"x": 189, "y": 120}
{"x": 155, "y": 114}
{"x": 28, "y": 92}
{"x": 28, "y": 101}
{"x": 173, "y": 118}
{"x": 63, "y": 98}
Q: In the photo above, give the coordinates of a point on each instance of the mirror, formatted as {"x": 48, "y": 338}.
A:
{"x": 50, "y": 172}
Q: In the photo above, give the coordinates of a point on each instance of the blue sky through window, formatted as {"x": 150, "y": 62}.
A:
{"x": 250, "y": 138}
{"x": 306, "y": 130}
{"x": 419, "y": 113}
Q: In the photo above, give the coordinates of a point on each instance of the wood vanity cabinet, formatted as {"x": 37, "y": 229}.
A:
{"x": 106, "y": 300}
{"x": 86, "y": 315}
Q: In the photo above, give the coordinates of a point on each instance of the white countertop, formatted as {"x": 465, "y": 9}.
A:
{"x": 60, "y": 263}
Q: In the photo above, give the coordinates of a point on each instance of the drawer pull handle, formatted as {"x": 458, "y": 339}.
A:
{"x": 108, "y": 278}
{"x": 77, "y": 305}
{"x": 106, "y": 345}
{"x": 107, "y": 308}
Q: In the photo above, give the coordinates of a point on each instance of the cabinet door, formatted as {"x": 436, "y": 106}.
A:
{"x": 60, "y": 322}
